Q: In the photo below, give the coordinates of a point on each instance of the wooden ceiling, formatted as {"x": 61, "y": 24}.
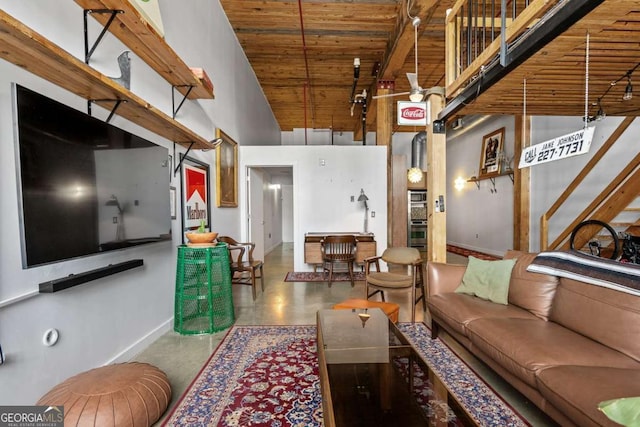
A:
{"x": 303, "y": 54}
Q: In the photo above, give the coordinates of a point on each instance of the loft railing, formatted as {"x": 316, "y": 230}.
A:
{"x": 478, "y": 30}
{"x": 622, "y": 190}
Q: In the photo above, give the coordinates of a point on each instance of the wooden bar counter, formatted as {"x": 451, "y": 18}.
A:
{"x": 365, "y": 246}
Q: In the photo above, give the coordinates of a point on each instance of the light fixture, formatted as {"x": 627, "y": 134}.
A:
{"x": 363, "y": 198}
{"x": 416, "y": 95}
{"x": 414, "y": 175}
{"x": 600, "y": 114}
{"x": 213, "y": 144}
{"x": 113, "y": 201}
{"x": 459, "y": 183}
{"x": 628, "y": 91}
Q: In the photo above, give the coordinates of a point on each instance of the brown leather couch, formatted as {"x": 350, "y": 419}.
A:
{"x": 565, "y": 344}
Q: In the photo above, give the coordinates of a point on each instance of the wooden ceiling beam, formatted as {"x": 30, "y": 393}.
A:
{"x": 400, "y": 45}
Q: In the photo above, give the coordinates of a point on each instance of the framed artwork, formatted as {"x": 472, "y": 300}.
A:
{"x": 226, "y": 172}
{"x": 194, "y": 179}
{"x": 492, "y": 144}
{"x": 172, "y": 202}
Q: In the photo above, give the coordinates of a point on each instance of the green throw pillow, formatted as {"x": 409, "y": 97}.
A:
{"x": 487, "y": 279}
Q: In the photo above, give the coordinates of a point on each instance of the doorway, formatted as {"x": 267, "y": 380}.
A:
{"x": 270, "y": 211}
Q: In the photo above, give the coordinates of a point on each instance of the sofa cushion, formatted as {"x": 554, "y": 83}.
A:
{"x": 525, "y": 346}
{"x": 531, "y": 291}
{"x": 487, "y": 279}
{"x": 577, "y": 390}
{"x": 604, "y": 315}
{"x": 459, "y": 309}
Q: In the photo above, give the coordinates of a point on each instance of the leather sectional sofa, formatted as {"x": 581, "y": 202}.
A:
{"x": 565, "y": 344}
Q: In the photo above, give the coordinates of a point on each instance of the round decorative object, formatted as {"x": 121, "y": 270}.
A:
{"x": 131, "y": 394}
{"x": 206, "y": 237}
{"x": 414, "y": 175}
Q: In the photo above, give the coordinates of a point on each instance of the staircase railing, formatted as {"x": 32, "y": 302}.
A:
{"x": 477, "y": 31}
{"x": 622, "y": 190}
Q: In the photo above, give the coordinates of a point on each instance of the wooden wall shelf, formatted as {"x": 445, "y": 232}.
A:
{"x": 33, "y": 52}
{"x": 492, "y": 179}
{"x": 136, "y": 33}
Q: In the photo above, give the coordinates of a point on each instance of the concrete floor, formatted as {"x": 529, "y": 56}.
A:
{"x": 285, "y": 303}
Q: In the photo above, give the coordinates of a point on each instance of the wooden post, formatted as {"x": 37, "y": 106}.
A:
{"x": 521, "y": 186}
{"x": 384, "y": 125}
{"x": 436, "y": 161}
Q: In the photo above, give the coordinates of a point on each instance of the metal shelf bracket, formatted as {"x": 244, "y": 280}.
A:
{"x": 182, "y": 157}
{"x": 113, "y": 110}
{"x": 89, "y": 51}
{"x": 173, "y": 98}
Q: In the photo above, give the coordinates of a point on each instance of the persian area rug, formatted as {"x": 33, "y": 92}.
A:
{"x": 310, "y": 276}
{"x": 268, "y": 376}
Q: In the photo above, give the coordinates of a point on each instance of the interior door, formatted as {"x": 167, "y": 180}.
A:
{"x": 256, "y": 211}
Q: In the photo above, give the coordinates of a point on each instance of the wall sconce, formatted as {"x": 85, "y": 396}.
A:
{"x": 414, "y": 175}
{"x": 274, "y": 186}
{"x": 459, "y": 183}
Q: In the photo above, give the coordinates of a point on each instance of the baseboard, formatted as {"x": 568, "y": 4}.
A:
{"x": 130, "y": 352}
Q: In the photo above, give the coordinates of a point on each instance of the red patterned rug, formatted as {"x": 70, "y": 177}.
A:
{"x": 310, "y": 276}
{"x": 268, "y": 376}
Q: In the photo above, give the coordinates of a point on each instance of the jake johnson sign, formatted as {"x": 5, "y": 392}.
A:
{"x": 412, "y": 113}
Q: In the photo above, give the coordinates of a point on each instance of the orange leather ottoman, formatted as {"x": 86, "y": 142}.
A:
{"x": 391, "y": 309}
{"x": 126, "y": 394}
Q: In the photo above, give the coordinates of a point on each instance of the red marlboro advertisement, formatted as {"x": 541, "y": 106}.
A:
{"x": 195, "y": 181}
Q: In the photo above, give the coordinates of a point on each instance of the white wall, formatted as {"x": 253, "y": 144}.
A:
{"x": 287, "y": 213}
{"x": 111, "y": 319}
{"x": 489, "y": 216}
{"x": 322, "y": 194}
{"x": 549, "y": 180}
{"x": 477, "y": 218}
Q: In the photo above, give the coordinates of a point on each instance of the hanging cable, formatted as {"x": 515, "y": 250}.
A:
{"x": 306, "y": 65}
{"x": 586, "y": 83}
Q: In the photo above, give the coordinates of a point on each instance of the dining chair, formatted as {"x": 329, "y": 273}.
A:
{"x": 338, "y": 250}
{"x": 243, "y": 266}
{"x": 404, "y": 273}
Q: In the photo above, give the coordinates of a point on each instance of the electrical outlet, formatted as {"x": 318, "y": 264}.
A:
{"x": 115, "y": 219}
{"x": 353, "y": 198}
{"x": 373, "y": 214}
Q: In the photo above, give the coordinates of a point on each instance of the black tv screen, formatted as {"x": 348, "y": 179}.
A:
{"x": 85, "y": 186}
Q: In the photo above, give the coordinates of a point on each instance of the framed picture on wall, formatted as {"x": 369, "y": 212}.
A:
{"x": 194, "y": 179}
{"x": 226, "y": 171}
{"x": 492, "y": 146}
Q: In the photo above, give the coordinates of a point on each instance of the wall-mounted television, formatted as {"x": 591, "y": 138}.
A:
{"x": 84, "y": 186}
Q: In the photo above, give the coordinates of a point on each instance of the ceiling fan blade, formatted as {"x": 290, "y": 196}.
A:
{"x": 413, "y": 81}
{"x": 390, "y": 94}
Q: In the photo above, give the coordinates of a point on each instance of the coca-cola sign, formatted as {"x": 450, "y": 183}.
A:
{"x": 412, "y": 113}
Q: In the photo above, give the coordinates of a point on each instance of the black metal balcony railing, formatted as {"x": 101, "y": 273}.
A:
{"x": 477, "y": 29}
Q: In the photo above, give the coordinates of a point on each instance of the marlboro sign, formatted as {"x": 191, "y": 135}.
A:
{"x": 412, "y": 113}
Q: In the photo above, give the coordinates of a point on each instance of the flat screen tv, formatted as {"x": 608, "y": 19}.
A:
{"x": 84, "y": 186}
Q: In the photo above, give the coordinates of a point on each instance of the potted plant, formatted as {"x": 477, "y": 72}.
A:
{"x": 201, "y": 235}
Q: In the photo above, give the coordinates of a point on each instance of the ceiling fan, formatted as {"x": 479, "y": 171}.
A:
{"x": 417, "y": 94}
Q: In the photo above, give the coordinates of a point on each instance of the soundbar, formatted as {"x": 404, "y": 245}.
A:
{"x": 80, "y": 278}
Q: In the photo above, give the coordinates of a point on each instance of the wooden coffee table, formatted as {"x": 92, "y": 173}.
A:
{"x": 370, "y": 375}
